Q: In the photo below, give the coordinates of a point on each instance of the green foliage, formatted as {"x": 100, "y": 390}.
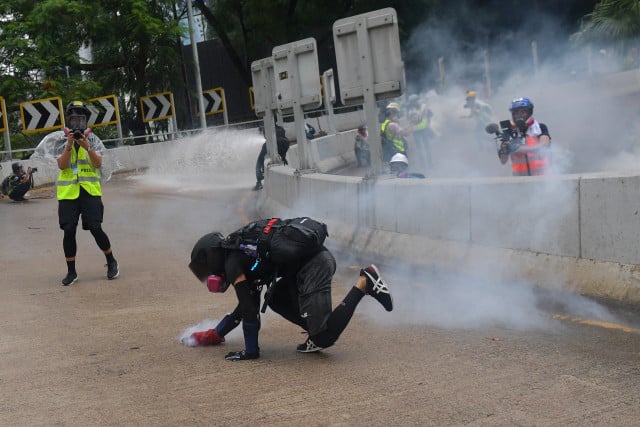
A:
{"x": 133, "y": 47}
{"x": 611, "y": 21}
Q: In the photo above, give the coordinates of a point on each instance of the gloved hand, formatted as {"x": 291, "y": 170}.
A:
{"x": 241, "y": 355}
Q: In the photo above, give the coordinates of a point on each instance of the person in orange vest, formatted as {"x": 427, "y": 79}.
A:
{"x": 527, "y": 142}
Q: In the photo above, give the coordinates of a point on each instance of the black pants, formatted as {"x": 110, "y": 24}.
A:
{"x": 21, "y": 189}
{"x": 260, "y": 163}
{"x": 304, "y": 298}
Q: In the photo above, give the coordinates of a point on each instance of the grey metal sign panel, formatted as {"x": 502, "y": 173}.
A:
{"x": 297, "y": 74}
{"x": 264, "y": 98}
{"x": 368, "y": 52}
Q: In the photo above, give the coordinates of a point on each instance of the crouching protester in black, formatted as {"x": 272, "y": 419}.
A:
{"x": 18, "y": 183}
{"x": 301, "y": 294}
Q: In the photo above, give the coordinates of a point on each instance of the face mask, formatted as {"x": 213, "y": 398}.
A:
{"x": 216, "y": 284}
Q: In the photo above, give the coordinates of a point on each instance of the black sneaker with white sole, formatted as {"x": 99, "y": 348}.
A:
{"x": 112, "y": 270}
{"x": 308, "y": 347}
{"x": 69, "y": 279}
{"x": 376, "y": 287}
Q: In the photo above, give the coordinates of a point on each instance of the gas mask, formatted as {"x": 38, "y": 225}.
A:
{"x": 77, "y": 123}
{"x": 522, "y": 119}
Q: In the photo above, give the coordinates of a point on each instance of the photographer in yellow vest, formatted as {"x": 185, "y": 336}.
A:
{"x": 79, "y": 190}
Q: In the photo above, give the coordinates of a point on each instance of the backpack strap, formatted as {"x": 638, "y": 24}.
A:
{"x": 264, "y": 239}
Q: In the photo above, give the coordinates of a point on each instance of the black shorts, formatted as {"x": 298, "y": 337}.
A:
{"x": 90, "y": 207}
{"x": 314, "y": 291}
{"x": 305, "y": 298}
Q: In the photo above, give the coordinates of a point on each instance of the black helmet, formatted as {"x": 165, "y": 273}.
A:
{"x": 77, "y": 108}
{"x": 15, "y": 167}
{"x": 207, "y": 256}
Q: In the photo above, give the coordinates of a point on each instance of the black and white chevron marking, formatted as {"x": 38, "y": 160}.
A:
{"x": 41, "y": 115}
{"x": 156, "y": 107}
{"x": 103, "y": 112}
{"x": 212, "y": 102}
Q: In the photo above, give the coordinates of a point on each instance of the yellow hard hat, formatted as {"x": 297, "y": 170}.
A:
{"x": 471, "y": 94}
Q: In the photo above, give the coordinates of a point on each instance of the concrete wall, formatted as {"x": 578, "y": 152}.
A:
{"x": 578, "y": 232}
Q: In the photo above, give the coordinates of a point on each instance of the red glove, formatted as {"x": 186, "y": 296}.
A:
{"x": 209, "y": 337}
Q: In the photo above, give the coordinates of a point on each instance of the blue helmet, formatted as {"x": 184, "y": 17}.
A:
{"x": 524, "y": 103}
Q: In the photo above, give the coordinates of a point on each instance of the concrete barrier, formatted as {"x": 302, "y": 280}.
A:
{"x": 576, "y": 232}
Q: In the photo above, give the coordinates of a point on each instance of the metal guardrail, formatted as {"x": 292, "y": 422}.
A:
{"x": 170, "y": 136}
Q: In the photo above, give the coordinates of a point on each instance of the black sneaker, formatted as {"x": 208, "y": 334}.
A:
{"x": 308, "y": 347}
{"x": 69, "y": 279}
{"x": 376, "y": 287}
{"x": 234, "y": 356}
{"x": 112, "y": 270}
{"x": 258, "y": 187}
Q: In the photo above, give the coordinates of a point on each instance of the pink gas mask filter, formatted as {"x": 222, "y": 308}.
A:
{"x": 216, "y": 284}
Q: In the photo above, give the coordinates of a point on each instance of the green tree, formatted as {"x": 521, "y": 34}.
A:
{"x": 611, "y": 22}
{"x": 131, "y": 47}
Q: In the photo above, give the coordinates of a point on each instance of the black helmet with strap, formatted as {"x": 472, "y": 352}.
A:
{"x": 207, "y": 256}
{"x": 77, "y": 108}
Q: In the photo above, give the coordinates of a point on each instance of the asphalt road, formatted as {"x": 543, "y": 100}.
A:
{"x": 455, "y": 351}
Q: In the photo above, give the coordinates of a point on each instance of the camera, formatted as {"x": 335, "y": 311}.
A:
{"x": 78, "y": 133}
{"x": 34, "y": 170}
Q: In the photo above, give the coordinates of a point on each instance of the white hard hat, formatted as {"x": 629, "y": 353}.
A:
{"x": 399, "y": 157}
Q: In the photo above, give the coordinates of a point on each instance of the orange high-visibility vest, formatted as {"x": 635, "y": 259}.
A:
{"x": 533, "y": 163}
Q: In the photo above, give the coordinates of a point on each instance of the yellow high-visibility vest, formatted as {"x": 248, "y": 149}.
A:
{"x": 79, "y": 173}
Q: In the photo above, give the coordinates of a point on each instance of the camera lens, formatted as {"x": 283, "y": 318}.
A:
{"x": 77, "y": 134}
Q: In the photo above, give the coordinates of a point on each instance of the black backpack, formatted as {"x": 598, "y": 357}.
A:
{"x": 280, "y": 241}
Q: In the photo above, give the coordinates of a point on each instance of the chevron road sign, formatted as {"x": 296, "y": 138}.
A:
{"x": 104, "y": 111}
{"x": 157, "y": 107}
{"x": 3, "y": 115}
{"x": 41, "y": 115}
{"x": 213, "y": 100}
